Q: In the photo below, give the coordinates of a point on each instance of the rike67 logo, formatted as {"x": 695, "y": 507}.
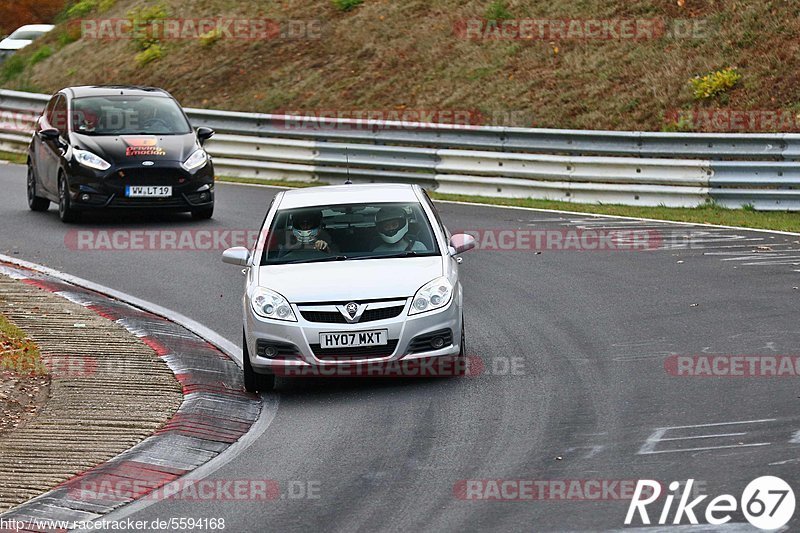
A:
{"x": 767, "y": 503}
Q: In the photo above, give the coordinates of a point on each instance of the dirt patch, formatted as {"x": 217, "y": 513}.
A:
{"x": 20, "y": 399}
{"x": 24, "y": 383}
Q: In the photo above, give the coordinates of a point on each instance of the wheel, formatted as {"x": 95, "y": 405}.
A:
{"x": 65, "y": 211}
{"x": 203, "y": 214}
{"x": 254, "y": 382}
{"x": 35, "y": 203}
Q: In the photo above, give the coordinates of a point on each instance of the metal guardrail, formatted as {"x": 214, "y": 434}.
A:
{"x": 633, "y": 168}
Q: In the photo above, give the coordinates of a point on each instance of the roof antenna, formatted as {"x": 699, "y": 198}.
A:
{"x": 347, "y": 167}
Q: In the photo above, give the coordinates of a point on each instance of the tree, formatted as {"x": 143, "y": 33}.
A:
{"x": 21, "y": 12}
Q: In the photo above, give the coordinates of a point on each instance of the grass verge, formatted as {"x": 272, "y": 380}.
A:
{"x": 707, "y": 214}
{"x": 18, "y": 354}
{"x": 13, "y": 157}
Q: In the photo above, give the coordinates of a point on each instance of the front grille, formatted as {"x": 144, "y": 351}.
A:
{"x": 147, "y": 176}
{"x": 335, "y": 317}
{"x": 423, "y": 342}
{"x": 285, "y": 350}
{"x": 326, "y": 317}
{"x": 354, "y": 354}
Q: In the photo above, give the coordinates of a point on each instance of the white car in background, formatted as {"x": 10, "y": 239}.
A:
{"x": 350, "y": 274}
{"x": 21, "y": 38}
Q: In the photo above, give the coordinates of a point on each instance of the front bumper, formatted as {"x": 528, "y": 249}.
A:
{"x": 298, "y": 342}
{"x": 90, "y": 189}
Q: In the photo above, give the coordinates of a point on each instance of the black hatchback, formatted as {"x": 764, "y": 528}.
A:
{"x": 118, "y": 147}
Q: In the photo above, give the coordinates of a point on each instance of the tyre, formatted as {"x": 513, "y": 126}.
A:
{"x": 35, "y": 203}
{"x": 461, "y": 360}
{"x": 65, "y": 211}
{"x": 203, "y": 214}
{"x": 254, "y": 382}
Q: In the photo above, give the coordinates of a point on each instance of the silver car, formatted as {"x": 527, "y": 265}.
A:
{"x": 351, "y": 280}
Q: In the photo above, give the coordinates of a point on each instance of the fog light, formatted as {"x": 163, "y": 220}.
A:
{"x": 437, "y": 343}
{"x": 204, "y": 196}
{"x": 270, "y": 352}
{"x": 85, "y": 197}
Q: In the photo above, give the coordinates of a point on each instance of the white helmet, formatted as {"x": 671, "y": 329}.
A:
{"x": 392, "y": 224}
{"x": 306, "y": 225}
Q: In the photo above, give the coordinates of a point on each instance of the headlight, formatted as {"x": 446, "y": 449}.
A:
{"x": 270, "y": 304}
{"x": 433, "y": 295}
{"x": 196, "y": 160}
{"x": 88, "y": 159}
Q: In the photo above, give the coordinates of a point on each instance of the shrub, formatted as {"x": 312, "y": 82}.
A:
{"x": 148, "y": 55}
{"x": 141, "y": 19}
{"x": 710, "y": 85}
{"x": 81, "y": 8}
{"x": 498, "y": 10}
{"x": 13, "y": 67}
{"x": 209, "y": 38}
{"x": 347, "y": 5}
{"x": 41, "y": 54}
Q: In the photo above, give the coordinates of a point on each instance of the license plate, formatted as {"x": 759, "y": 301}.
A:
{"x": 377, "y": 337}
{"x": 148, "y": 191}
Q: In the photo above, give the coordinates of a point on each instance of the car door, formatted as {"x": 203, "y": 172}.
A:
{"x": 52, "y": 150}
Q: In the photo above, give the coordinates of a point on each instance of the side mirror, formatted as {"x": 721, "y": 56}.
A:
{"x": 50, "y": 134}
{"x": 238, "y": 255}
{"x": 460, "y": 243}
{"x": 204, "y": 134}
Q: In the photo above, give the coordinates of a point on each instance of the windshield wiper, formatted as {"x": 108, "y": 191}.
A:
{"x": 408, "y": 253}
{"x": 319, "y": 260}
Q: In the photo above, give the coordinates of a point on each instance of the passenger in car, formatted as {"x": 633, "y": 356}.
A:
{"x": 392, "y": 224}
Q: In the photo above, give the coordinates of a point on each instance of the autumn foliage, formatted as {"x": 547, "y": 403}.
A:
{"x": 14, "y": 14}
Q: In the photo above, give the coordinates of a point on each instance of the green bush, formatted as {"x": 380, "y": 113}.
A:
{"x": 150, "y": 54}
{"x": 41, "y": 54}
{"x": 710, "y": 85}
{"x": 498, "y": 10}
{"x": 347, "y": 5}
{"x": 142, "y": 18}
{"x": 81, "y": 8}
{"x": 68, "y": 37}
{"x": 209, "y": 38}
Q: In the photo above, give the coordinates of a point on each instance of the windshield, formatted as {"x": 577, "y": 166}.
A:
{"x": 26, "y": 35}
{"x": 349, "y": 232}
{"x": 127, "y": 115}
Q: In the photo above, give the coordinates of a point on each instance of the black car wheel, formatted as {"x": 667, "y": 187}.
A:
{"x": 35, "y": 203}
{"x": 203, "y": 214}
{"x": 254, "y": 382}
{"x": 461, "y": 361}
{"x": 65, "y": 211}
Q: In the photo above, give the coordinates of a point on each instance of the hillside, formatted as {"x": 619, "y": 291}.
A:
{"x": 383, "y": 56}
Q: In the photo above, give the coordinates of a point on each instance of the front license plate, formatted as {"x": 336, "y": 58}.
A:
{"x": 377, "y": 337}
{"x": 148, "y": 191}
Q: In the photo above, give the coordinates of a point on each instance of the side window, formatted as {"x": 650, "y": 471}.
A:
{"x": 59, "y": 120}
{"x": 48, "y": 111}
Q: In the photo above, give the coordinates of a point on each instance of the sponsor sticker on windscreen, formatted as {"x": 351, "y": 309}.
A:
{"x": 148, "y": 191}
{"x": 377, "y": 337}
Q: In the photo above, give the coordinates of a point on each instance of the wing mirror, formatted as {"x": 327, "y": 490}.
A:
{"x": 460, "y": 243}
{"x": 50, "y": 134}
{"x": 204, "y": 134}
{"x": 238, "y": 255}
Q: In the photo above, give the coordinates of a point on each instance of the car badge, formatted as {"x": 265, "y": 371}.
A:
{"x": 148, "y": 163}
{"x": 352, "y": 309}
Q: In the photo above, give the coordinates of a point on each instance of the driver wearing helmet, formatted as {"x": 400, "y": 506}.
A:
{"x": 307, "y": 233}
{"x": 392, "y": 225}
